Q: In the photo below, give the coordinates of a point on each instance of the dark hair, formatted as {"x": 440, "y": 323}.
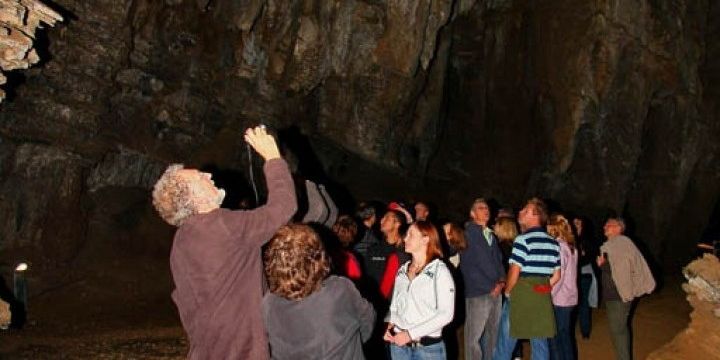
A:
{"x": 456, "y": 238}
{"x": 295, "y": 262}
{"x": 365, "y": 211}
{"x": 346, "y": 229}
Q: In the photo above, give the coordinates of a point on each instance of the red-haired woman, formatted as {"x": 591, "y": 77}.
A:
{"x": 419, "y": 312}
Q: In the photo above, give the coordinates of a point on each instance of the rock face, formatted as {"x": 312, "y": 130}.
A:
{"x": 602, "y": 106}
{"x": 702, "y": 337}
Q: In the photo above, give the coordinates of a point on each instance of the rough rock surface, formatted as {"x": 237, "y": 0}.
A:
{"x": 600, "y": 105}
{"x": 702, "y": 337}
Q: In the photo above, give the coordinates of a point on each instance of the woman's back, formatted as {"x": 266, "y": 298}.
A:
{"x": 330, "y": 323}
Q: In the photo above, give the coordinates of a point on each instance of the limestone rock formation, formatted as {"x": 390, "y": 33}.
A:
{"x": 19, "y": 19}
{"x": 702, "y": 337}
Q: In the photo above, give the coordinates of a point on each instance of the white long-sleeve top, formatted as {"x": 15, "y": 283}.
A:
{"x": 426, "y": 304}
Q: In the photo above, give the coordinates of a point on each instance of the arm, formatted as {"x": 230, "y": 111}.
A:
{"x": 364, "y": 310}
{"x": 512, "y": 278}
{"x": 501, "y": 281}
{"x": 330, "y": 205}
{"x": 555, "y": 277}
{"x": 390, "y": 317}
{"x": 517, "y": 259}
{"x": 352, "y": 267}
{"x": 257, "y": 226}
{"x": 316, "y": 210}
{"x": 388, "y": 279}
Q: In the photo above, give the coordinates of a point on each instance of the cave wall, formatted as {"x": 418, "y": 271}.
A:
{"x": 601, "y": 106}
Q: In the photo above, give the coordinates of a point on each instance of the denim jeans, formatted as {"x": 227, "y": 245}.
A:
{"x": 506, "y": 344}
{"x": 482, "y": 315}
{"x": 430, "y": 352}
{"x": 584, "y": 310}
{"x": 561, "y": 346}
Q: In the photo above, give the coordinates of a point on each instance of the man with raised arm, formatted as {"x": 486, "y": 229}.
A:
{"x": 216, "y": 254}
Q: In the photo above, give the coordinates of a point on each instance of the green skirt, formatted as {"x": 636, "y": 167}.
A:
{"x": 531, "y": 312}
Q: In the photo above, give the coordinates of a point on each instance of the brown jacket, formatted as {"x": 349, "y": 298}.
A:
{"x": 217, "y": 269}
{"x": 630, "y": 272}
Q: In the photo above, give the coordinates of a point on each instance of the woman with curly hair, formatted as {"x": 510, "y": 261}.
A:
{"x": 308, "y": 314}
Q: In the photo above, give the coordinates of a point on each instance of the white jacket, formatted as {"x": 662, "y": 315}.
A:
{"x": 425, "y": 305}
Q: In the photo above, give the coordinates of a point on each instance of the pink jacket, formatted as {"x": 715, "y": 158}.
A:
{"x": 565, "y": 292}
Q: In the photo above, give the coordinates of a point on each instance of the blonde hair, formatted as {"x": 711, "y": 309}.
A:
{"x": 506, "y": 229}
{"x": 559, "y": 227}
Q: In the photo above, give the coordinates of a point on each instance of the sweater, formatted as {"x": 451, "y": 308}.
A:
{"x": 480, "y": 263}
{"x": 331, "y": 323}
{"x": 217, "y": 270}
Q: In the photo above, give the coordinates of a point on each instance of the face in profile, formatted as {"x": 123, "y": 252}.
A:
{"x": 203, "y": 189}
{"x": 388, "y": 223}
{"x": 415, "y": 240}
{"x": 526, "y": 215}
{"x": 446, "y": 230}
{"x": 612, "y": 228}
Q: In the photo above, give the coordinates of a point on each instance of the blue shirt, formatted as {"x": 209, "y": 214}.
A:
{"x": 536, "y": 252}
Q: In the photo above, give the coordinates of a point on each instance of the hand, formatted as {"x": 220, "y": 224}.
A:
{"x": 497, "y": 289}
{"x": 262, "y": 142}
{"x": 402, "y": 338}
{"x": 600, "y": 260}
{"x": 387, "y": 336}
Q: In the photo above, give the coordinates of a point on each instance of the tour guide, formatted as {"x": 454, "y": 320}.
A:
{"x": 216, "y": 258}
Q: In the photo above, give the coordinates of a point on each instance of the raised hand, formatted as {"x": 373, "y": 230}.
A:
{"x": 262, "y": 142}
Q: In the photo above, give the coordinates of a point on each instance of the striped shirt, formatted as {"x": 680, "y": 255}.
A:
{"x": 536, "y": 252}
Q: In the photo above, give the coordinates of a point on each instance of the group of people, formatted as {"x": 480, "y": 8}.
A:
{"x": 251, "y": 284}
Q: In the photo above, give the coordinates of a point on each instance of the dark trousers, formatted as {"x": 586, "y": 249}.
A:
{"x": 562, "y": 345}
{"x": 584, "y": 310}
{"x": 618, "y": 313}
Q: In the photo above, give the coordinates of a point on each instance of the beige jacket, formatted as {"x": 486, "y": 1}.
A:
{"x": 630, "y": 272}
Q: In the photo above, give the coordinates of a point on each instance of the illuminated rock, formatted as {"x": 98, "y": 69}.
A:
{"x": 19, "y": 19}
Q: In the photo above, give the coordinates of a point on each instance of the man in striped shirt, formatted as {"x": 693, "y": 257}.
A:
{"x": 534, "y": 269}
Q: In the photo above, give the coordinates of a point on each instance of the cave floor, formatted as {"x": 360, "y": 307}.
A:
{"x": 657, "y": 319}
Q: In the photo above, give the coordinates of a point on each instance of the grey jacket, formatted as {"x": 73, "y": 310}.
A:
{"x": 331, "y": 323}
